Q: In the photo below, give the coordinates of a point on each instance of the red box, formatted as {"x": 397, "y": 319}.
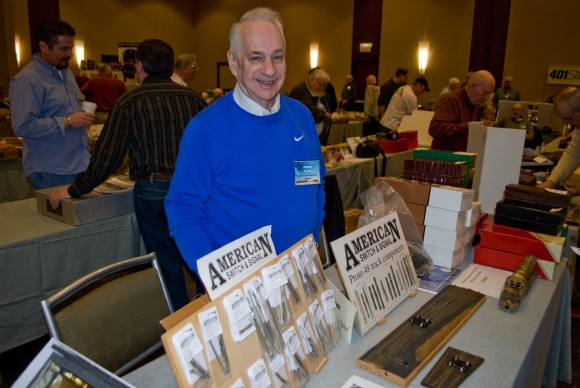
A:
{"x": 522, "y": 242}
{"x": 409, "y": 135}
{"x": 510, "y": 261}
{"x": 394, "y": 146}
{"x": 413, "y": 143}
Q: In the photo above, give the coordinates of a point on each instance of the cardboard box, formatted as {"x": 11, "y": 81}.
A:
{"x": 410, "y": 191}
{"x": 445, "y": 258}
{"x": 472, "y": 215}
{"x": 409, "y": 135}
{"x": 451, "y": 198}
{"x": 351, "y": 216}
{"x": 446, "y": 219}
{"x": 91, "y": 208}
{"x": 444, "y": 238}
{"x": 394, "y": 146}
{"x": 414, "y": 143}
{"x": 418, "y": 212}
{"x": 510, "y": 261}
{"x": 470, "y": 234}
{"x": 522, "y": 242}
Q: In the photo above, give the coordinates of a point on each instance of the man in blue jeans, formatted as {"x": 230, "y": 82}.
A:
{"x": 147, "y": 122}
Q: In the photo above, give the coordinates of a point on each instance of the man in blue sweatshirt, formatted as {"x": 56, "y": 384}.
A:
{"x": 241, "y": 160}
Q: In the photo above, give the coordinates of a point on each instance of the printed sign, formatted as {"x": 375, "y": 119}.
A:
{"x": 566, "y": 75}
{"x": 223, "y": 268}
{"x": 376, "y": 268}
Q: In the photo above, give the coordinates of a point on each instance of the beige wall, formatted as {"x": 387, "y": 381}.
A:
{"x": 540, "y": 34}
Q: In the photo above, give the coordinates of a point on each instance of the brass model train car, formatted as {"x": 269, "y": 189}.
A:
{"x": 518, "y": 284}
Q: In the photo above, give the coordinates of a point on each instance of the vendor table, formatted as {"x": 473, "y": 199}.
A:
{"x": 356, "y": 175}
{"x": 339, "y": 132}
{"x": 39, "y": 256}
{"x": 529, "y": 348}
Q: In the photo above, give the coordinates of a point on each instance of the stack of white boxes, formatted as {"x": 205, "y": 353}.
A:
{"x": 450, "y": 223}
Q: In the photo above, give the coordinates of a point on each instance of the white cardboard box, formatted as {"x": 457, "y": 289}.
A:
{"x": 445, "y": 258}
{"x": 444, "y": 238}
{"x": 451, "y": 198}
{"x": 472, "y": 215}
{"x": 91, "y": 208}
{"x": 446, "y": 219}
{"x": 498, "y": 163}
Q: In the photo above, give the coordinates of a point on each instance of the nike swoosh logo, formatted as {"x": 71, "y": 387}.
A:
{"x": 298, "y": 138}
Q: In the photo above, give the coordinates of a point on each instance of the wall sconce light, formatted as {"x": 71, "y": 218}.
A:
{"x": 80, "y": 51}
{"x": 17, "y": 49}
{"x": 313, "y": 55}
{"x": 365, "y": 47}
{"x": 423, "y": 56}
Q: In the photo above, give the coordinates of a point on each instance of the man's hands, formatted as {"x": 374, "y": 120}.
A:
{"x": 57, "y": 195}
{"x": 81, "y": 119}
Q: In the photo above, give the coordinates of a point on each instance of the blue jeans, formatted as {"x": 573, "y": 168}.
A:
{"x": 149, "y": 201}
{"x": 44, "y": 180}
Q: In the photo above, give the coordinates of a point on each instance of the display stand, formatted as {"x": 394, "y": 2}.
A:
{"x": 274, "y": 326}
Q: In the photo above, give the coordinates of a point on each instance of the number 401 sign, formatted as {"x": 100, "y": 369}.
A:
{"x": 567, "y": 75}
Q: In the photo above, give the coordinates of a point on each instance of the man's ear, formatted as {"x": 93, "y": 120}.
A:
{"x": 233, "y": 64}
{"x": 43, "y": 46}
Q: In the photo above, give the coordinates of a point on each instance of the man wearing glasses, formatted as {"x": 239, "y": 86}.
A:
{"x": 185, "y": 69}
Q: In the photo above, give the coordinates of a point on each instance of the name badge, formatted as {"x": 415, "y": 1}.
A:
{"x": 306, "y": 172}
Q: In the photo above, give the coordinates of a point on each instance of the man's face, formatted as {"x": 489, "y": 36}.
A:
{"x": 507, "y": 83}
{"x": 517, "y": 111}
{"x": 261, "y": 68}
{"x": 564, "y": 110}
{"x": 418, "y": 89}
{"x": 317, "y": 86}
{"x": 60, "y": 53}
{"x": 402, "y": 79}
{"x": 480, "y": 92}
{"x": 190, "y": 71}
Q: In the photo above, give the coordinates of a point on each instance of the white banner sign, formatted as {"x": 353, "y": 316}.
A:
{"x": 376, "y": 268}
{"x": 225, "y": 267}
{"x": 566, "y": 75}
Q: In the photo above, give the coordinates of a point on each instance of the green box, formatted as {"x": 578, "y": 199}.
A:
{"x": 468, "y": 157}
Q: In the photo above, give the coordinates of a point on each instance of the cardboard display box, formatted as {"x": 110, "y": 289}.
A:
{"x": 472, "y": 215}
{"x": 351, "y": 216}
{"x": 418, "y": 212}
{"x": 444, "y": 238}
{"x": 451, "y": 198}
{"x": 91, "y": 208}
{"x": 510, "y": 261}
{"x": 410, "y": 191}
{"x": 445, "y": 258}
{"x": 394, "y": 146}
{"x": 522, "y": 242}
{"x": 446, "y": 219}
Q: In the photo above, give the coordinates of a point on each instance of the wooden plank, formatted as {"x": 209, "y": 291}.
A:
{"x": 401, "y": 355}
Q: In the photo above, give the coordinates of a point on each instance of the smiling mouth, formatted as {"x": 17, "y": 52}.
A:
{"x": 267, "y": 84}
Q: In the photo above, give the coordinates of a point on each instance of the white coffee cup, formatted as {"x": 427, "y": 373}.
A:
{"x": 89, "y": 107}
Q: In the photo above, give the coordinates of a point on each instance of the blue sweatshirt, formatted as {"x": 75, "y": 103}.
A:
{"x": 235, "y": 173}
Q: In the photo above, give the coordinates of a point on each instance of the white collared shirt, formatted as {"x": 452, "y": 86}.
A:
{"x": 251, "y": 106}
{"x": 178, "y": 80}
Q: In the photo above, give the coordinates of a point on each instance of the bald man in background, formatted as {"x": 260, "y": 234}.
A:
{"x": 449, "y": 126}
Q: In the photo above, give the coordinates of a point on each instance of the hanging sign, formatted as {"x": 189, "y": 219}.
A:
{"x": 565, "y": 75}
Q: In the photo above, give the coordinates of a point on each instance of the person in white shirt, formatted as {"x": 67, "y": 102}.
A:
{"x": 403, "y": 102}
{"x": 185, "y": 69}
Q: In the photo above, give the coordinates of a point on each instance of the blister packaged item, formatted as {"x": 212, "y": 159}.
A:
{"x": 278, "y": 370}
{"x": 275, "y": 282}
{"x": 239, "y": 314}
{"x": 258, "y": 375}
{"x": 302, "y": 261}
{"x": 212, "y": 332}
{"x": 295, "y": 356}
{"x": 190, "y": 352}
{"x": 321, "y": 329}
{"x": 329, "y": 308}
{"x": 292, "y": 285}
{"x": 314, "y": 264}
{"x": 312, "y": 350}
{"x": 263, "y": 318}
